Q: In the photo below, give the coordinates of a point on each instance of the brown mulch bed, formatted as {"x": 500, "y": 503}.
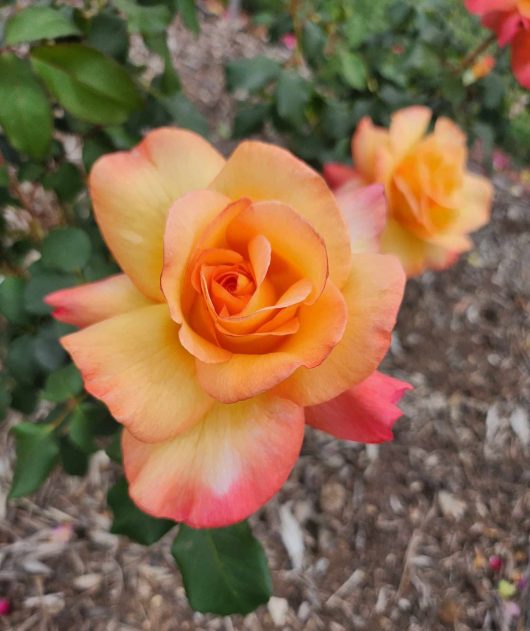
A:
{"x": 393, "y": 538}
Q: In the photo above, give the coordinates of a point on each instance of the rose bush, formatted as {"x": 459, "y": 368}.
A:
{"x": 510, "y": 21}
{"x": 433, "y": 200}
{"x": 248, "y": 305}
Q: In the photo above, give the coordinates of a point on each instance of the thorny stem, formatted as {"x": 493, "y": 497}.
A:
{"x": 70, "y": 405}
{"x": 294, "y": 8}
{"x": 476, "y": 52}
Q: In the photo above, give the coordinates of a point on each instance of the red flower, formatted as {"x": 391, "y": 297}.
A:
{"x": 510, "y": 21}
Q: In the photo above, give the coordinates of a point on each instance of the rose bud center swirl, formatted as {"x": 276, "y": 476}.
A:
{"x": 247, "y": 277}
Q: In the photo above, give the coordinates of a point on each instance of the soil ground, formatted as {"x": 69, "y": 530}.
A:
{"x": 414, "y": 535}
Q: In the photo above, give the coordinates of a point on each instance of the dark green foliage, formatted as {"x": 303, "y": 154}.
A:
{"x": 224, "y": 569}
{"x": 25, "y": 114}
{"x": 131, "y": 521}
{"x": 37, "y": 451}
{"x": 367, "y": 58}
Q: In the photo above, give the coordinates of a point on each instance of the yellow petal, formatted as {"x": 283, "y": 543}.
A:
{"x": 136, "y": 365}
{"x": 133, "y": 190}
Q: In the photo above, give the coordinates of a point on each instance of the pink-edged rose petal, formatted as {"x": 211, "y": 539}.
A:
{"x": 223, "y": 469}
{"x": 365, "y": 413}
{"x": 365, "y": 212}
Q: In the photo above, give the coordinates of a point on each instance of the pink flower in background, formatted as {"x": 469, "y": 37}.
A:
{"x": 510, "y": 21}
{"x": 289, "y": 41}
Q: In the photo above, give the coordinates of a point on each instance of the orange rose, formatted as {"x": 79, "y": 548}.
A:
{"x": 243, "y": 303}
{"x": 433, "y": 200}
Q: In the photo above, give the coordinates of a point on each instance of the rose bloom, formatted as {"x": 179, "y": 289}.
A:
{"x": 433, "y": 201}
{"x": 510, "y": 21}
{"x": 245, "y": 309}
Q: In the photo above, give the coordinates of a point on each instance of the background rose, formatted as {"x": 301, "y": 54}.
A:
{"x": 433, "y": 200}
{"x": 510, "y": 21}
{"x": 245, "y": 298}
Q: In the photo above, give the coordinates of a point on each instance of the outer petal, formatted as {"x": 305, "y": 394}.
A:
{"x": 90, "y": 303}
{"x": 485, "y": 6}
{"x": 505, "y": 24}
{"x": 364, "y": 413}
{"x": 133, "y": 190}
{"x": 407, "y": 128}
{"x": 136, "y": 365}
{"x": 243, "y": 376}
{"x": 475, "y": 203}
{"x": 367, "y": 143}
{"x": 187, "y": 218}
{"x": 337, "y": 174}
{"x": 521, "y": 58}
{"x": 410, "y": 249}
{"x": 373, "y": 294}
{"x": 365, "y": 211}
{"x": 221, "y": 470}
{"x": 265, "y": 172}
{"x": 416, "y": 255}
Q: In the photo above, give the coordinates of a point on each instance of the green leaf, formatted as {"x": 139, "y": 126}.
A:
{"x": 169, "y": 81}
{"x": 63, "y": 384}
{"x": 25, "y": 113}
{"x": 30, "y": 172}
{"x": 188, "y": 12}
{"x": 73, "y": 460}
{"x": 292, "y": 95}
{"x": 224, "y": 569}
{"x": 20, "y": 360}
{"x": 249, "y": 119}
{"x": 251, "y": 74}
{"x": 12, "y": 300}
{"x": 313, "y": 42}
{"x": 81, "y": 429}
{"x": 353, "y": 69}
{"x": 184, "y": 113}
{"x": 34, "y": 23}
{"x": 42, "y": 284}
{"x": 48, "y": 353}
{"x": 66, "y": 181}
{"x": 152, "y": 19}
{"x": 86, "y": 83}
{"x": 493, "y": 91}
{"x": 108, "y": 33}
{"x": 37, "y": 451}
{"x": 131, "y": 521}
{"x": 94, "y": 148}
{"x": 66, "y": 249}
{"x": 337, "y": 120}
{"x": 24, "y": 398}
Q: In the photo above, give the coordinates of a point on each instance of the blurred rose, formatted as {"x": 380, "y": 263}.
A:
{"x": 246, "y": 301}
{"x": 482, "y": 67}
{"x": 510, "y": 21}
{"x": 433, "y": 201}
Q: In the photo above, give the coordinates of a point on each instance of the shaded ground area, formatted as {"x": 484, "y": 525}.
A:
{"x": 395, "y": 538}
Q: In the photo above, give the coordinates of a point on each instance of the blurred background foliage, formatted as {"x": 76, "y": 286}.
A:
{"x": 73, "y": 87}
{"x": 352, "y": 59}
